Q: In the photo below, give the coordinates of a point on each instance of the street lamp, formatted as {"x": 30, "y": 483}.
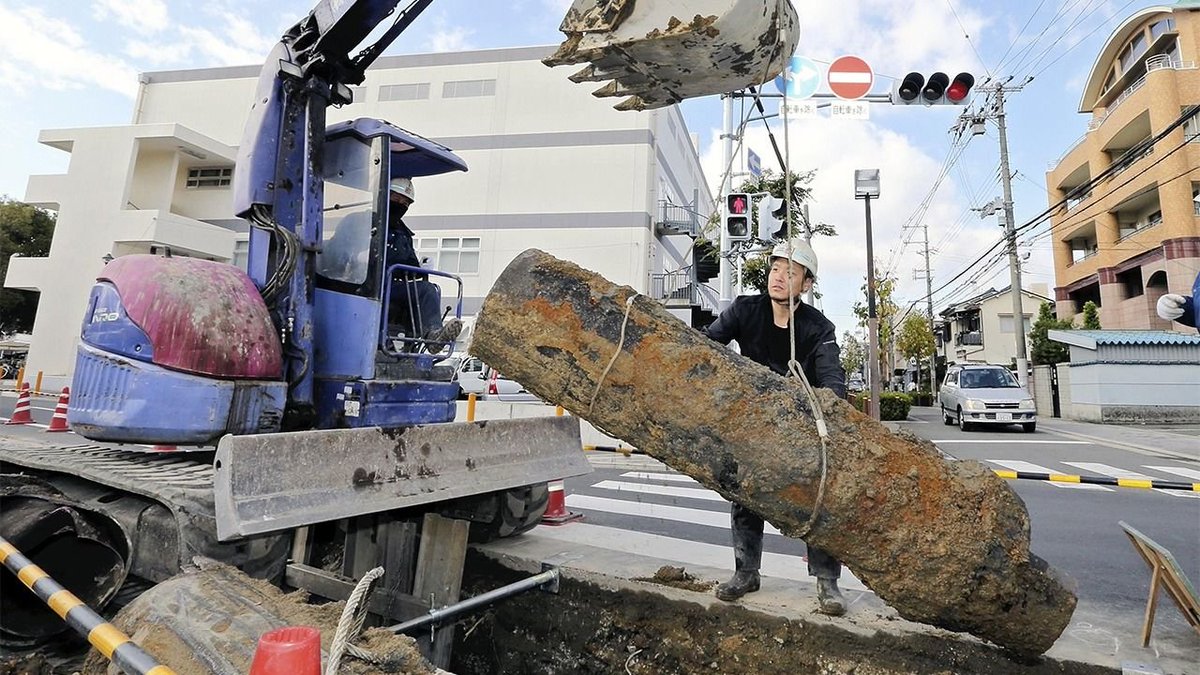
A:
{"x": 866, "y": 187}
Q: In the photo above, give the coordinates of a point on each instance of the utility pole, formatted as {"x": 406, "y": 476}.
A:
{"x": 998, "y": 90}
{"x": 725, "y": 273}
{"x": 929, "y": 311}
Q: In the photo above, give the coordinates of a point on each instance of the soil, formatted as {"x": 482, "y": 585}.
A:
{"x": 589, "y": 629}
{"x": 677, "y": 577}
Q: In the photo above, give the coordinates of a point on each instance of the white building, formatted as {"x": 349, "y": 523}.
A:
{"x": 980, "y": 329}
{"x": 551, "y": 167}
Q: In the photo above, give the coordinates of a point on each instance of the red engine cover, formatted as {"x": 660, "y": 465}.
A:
{"x": 201, "y": 317}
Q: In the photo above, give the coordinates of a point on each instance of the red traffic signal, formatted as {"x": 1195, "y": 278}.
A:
{"x": 960, "y": 87}
{"x": 939, "y": 89}
{"x": 737, "y": 203}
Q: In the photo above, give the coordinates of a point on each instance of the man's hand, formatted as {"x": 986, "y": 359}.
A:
{"x": 1170, "y": 306}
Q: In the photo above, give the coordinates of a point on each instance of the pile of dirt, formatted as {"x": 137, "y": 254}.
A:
{"x": 678, "y": 577}
{"x": 586, "y": 629}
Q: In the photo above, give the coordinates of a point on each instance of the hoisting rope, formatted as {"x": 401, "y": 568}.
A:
{"x": 793, "y": 365}
{"x": 350, "y": 624}
{"x": 616, "y": 353}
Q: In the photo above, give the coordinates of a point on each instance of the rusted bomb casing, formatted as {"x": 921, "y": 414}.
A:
{"x": 944, "y": 543}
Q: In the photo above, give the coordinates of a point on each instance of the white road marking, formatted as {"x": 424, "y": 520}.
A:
{"x": 1017, "y": 465}
{"x": 1010, "y": 442}
{"x": 30, "y": 424}
{"x": 670, "y": 477}
{"x": 666, "y": 490}
{"x": 1115, "y": 472}
{"x": 1193, "y": 474}
{"x": 677, "y": 514}
{"x": 671, "y": 549}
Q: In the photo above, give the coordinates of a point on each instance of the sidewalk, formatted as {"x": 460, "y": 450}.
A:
{"x": 1153, "y": 440}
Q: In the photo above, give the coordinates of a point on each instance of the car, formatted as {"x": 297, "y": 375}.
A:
{"x": 471, "y": 376}
{"x": 985, "y": 394}
{"x": 856, "y": 383}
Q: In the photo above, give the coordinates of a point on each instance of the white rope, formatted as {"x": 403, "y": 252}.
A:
{"x": 616, "y": 353}
{"x": 350, "y": 624}
{"x": 793, "y": 365}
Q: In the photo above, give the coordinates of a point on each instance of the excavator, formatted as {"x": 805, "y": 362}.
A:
{"x": 322, "y": 408}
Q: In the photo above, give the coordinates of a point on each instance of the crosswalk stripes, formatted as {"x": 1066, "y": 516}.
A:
{"x": 1017, "y": 465}
{"x": 1190, "y": 474}
{"x": 1114, "y": 472}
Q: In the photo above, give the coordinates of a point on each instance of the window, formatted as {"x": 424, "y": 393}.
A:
{"x": 1006, "y": 324}
{"x": 1196, "y": 198}
{"x": 456, "y": 255}
{"x": 404, "y": 92}
{"x": 210, "y": 177}
{"x": 241, "y": 253}
{"x": 467, "y": 88}
{"x": 1191, "y": 128}
{"x": 1159, "y": 27}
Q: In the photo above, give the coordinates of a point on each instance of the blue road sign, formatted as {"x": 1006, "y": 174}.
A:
{"x": 801, "y": 79}
{"x": 753, "y": 164}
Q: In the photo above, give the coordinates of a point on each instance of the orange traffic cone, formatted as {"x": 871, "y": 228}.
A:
{"x": 22, "y": 414}
{"x": 556, "y": 510}
{"x": 59, "y": 421}
{"x": 293, "y": 650}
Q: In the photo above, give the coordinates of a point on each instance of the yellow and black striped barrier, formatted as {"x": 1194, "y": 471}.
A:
{"x": 111, "y": 642}
{"x": 1100, "y": 480}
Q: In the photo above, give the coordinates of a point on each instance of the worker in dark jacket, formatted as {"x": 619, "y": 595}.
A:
{"x": 415, "y": 301}
{"x": 760, "y": 324}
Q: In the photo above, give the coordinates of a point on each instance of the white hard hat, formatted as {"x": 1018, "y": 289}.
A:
{"x": 801, "y": 253}
{"x": 404, "y": 186}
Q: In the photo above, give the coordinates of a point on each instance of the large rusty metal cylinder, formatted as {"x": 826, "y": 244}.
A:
{"x": 943, "y": 542}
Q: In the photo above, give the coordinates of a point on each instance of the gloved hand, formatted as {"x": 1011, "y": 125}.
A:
{"x": 1170, "y": 306}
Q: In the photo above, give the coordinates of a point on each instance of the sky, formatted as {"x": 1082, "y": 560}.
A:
{"x": 74, "y": 63}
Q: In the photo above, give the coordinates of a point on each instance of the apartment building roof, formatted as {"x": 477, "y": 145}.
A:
{"x": 1091, "y": 339}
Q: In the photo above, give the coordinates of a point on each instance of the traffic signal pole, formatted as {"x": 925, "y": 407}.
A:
{"x": 725, "y": 274}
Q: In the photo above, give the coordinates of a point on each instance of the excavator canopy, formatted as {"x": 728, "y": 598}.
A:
{"x": 659, "y": 52}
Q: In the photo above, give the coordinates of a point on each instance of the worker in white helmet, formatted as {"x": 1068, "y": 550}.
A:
{"x": 415, "y": 307}
{"x": 763, "y": 326}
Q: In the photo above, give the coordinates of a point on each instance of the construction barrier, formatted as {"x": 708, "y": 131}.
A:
{"x": 292, "y": 650}
{"x": 556, "y": 509}
{"x": 105, "y": 637}
{"x": 1100, "y": 480}
{"x": 59, "y": 421}
{"x": 22, "y": 413}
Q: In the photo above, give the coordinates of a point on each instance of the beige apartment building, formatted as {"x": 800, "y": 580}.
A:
{"x": 1129, "y": 230}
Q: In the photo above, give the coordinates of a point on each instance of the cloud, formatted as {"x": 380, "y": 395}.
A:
{"x": 237, "y": 41}
{"x": 444, "y": 37}
{"x": 38, "y": 50}
{"x": 144, "y": 16}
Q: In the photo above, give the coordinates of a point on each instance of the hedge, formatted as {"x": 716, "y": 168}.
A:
{"x": 893, "y": 406}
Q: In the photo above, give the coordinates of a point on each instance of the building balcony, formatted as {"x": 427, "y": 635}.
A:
{"x": 26, "y": 274}
{"x": 184, "y": 235}
{"x": 972, "y": 338}
{"x": 43, "y": 190}
{"x": 677, "y": 219}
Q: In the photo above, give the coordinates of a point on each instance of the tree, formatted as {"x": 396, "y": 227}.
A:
{"x": 25, "y": 230}
{"x": 1043, "y": 350}
{"x": 886, "y": 310}
{"x": 854, "y": 354}
{"x": 916, "y": 341}
{"x": 1091, "y": 316}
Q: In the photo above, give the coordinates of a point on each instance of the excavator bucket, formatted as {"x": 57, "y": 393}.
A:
{"x": 659, "y": 52}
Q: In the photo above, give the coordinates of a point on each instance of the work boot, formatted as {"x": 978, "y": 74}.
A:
{"x": 829, "y": 598}
{"x": 438, "y": 338}
{"x": 743, "y": 582}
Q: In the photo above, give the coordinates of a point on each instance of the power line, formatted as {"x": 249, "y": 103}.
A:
{"x": 968, "y": 37}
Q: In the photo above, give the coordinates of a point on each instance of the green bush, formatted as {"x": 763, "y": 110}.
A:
{"x": 921, "y": 398}
{"x": 894, "y": 406}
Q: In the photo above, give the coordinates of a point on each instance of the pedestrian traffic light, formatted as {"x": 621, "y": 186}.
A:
{"x": 939, "y": 89}
{"x": 737, "y": 216}
{"x": 772, "y": 214}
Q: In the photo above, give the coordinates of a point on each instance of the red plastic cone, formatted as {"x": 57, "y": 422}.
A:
{"x": 556, "y": 509}
{"x": 22, "y": 413}
{"x": 294, "y": 650}
{"x": 59, "y": 421}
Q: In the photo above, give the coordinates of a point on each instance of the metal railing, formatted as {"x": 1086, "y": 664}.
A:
{"x": 677, "y": 285}
{"x": 678, "y": 217}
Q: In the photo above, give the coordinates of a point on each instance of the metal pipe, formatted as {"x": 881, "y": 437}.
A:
{"x": 449, "y": 612}
{"x": 105, "y": 637}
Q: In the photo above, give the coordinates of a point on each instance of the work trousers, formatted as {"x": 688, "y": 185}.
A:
{"x": 748, "y": 542}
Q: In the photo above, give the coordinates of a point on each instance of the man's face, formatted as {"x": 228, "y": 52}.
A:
{"x": 780, "y": 287}
{"x": 399, "y": 203}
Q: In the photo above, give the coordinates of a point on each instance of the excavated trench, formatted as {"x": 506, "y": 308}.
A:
{"x": 591, "y": 628}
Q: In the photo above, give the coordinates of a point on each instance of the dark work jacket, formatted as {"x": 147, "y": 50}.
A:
{"x": 750, "y": 321}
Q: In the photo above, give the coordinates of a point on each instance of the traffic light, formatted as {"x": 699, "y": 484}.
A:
{"x": 939, "y": 89}
{"x": 737, "y": 216}
{"x": 772, "y": 214}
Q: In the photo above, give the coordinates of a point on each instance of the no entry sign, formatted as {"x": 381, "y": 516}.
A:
{"x": 850, "y": 77}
